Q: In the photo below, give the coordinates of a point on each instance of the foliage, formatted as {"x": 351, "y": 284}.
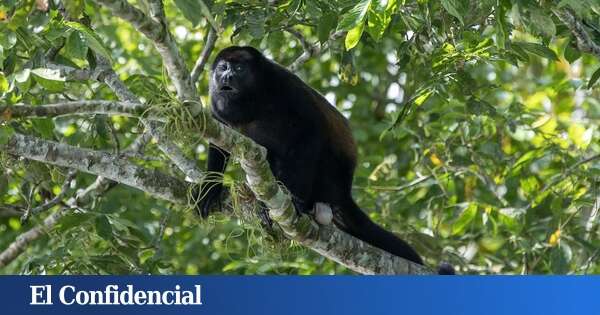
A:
{"x": 476, "y": 122}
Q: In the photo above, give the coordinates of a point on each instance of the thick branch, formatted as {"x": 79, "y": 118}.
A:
{"x": 83, "y": 197}
{"x": 77, "y": 107}
{"x": 153, "y": 182}
{"x": 187, "y": 166}
{"x": 110, "y": 78}
{"x": 325, "y": 240}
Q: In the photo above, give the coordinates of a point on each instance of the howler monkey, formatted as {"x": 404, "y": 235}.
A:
{"x": 310, "y": 147}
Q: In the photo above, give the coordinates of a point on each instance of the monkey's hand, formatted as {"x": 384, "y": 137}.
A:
{"x": 206, "y": 197}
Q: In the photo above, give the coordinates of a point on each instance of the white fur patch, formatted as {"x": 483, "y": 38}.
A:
{"x": 323, "y": 213}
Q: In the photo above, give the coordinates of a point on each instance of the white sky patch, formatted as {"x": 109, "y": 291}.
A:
{"x": 547, "y": 104}
{"x": 334, "y": 82}
{"x": 390, "y": 108}
{"x": 197, "y": 36}
{"x": 491, "y": 76}
{"x": 391, "y": 58}
{"x": 181, "y": 32}
{"x": 392, "y": 69}
{"x": 330, "y": 96}
{"x": 346, "y": 104}
{"x": 395, "y": 92}
{"x": 402, "y": 78}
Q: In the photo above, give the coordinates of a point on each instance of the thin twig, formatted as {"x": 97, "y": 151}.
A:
{"x": 209, "y": 44}
{"x": 16, "y": 248}
{"x": 53, "y": 202}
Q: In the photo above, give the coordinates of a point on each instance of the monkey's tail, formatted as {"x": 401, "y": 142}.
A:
{"x": 356, "y": 223}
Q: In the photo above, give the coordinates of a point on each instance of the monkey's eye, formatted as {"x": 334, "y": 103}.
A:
{"x": 239, "y": 67}
{"x": 223, "y": 66}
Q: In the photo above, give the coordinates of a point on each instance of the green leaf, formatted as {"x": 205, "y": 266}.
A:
{"x": 537, "y": 49}
{"x": 190, "y": 9}
{"x": 8, "y": 39}
{"x": 76, "y": 46}
{"x": 73, "y": 220}
{"x": 559, "y": 261}
{"x": 452, "y": 7}
{"x": 207, "y": 14}
{"x": 355, "y": 16}
{"x": 19, "y": 17}
{"x": 74, "y": 8}
{"x": 501, "y": 34}
{"x": 379, "y": 17}
{"x": 3, "y": 83}
{"x": 6, "y": 133}
{"x": 103, "y": 227}
{"x": 91, "y": 39}
{"x": 571, "y": 54}
{"x": 353, "y": 36}
{"x": 542, "y": 23}
{"x": 23, "y": 80}
{"x": 3, "y": 183}
{"x": 326, "y": 25}
{"x": 464, "y": 219}
{"x": 44, "y": 126}
{"x": 594, "y": 78}
{"x": 50, "y": 79}
{"x": 491, "y": 243}
{"x": 347, "y": 70}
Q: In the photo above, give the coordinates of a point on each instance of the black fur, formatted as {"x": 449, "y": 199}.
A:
{"x": 309, "y": 144}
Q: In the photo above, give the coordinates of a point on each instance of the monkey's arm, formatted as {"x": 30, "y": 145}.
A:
{"x": 210, "y": 190}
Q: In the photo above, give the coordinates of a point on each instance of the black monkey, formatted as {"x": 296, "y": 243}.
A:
{"x": 310, "y": 147}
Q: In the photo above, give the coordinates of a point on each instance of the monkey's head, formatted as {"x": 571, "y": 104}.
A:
{"x": 235, "y": 82}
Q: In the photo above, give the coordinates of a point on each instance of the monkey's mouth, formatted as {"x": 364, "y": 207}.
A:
{"x": 227, "y": 89}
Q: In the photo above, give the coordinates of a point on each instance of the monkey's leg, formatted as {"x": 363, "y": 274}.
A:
{"x": 210, "y": 190}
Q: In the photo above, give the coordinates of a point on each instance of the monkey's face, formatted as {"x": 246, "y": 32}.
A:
{"x": 233, "y": 85}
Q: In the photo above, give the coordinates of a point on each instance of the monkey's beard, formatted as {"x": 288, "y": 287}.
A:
{"x": 231, "y": 109}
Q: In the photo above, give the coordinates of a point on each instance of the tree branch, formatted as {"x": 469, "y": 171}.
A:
{"x": 211, "y": 39}
{"x": 309, "y": 50}
{"x": 83, "y": 197}
{"x": 584, "y": 40}
{"x": 153, "y": 182}
{"x": 53, "y": 202}
{"x": 159, "y": 34}
{"x": 107, "y": 75}
{"x": 76, "y": 107}
{"x": 326, "y": 240}
{"x": 17, "y": 247}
